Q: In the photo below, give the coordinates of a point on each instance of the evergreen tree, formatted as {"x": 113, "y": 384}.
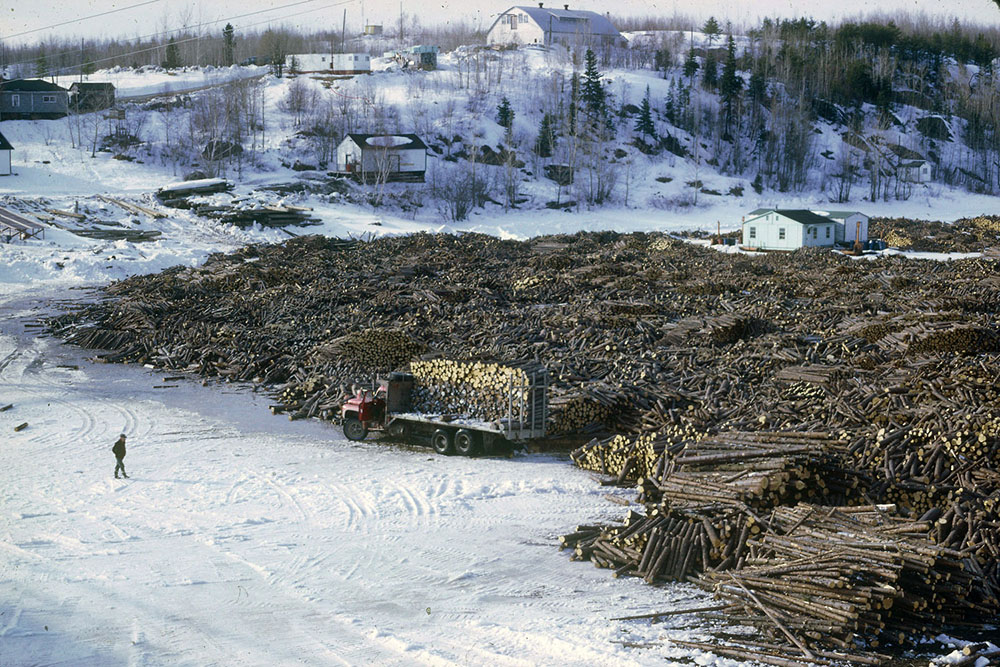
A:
{"x": 574, "y": 101}
{"x": 730, "y": 85}
{"x": 173, "y": 60}
{"x": 505, "y": 115}
{"x": 644, "y": 124}
{"x": 711, "y": 29}
{"x": 757, "y": 88}
{"x": 228, "y": 45}
{"x": 41, "y": 66}
{"x": 690, "y": 64}
{"x": 710, "y": 75}
{"x": 592, "y": 92}
{"x": 546, "y": 137}
{"x": 669, "y": 110}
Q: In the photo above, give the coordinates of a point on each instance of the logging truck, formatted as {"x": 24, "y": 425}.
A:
{"x": 388, "y": 409}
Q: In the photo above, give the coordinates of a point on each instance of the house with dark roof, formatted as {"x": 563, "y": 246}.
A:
{"x": 32, "y": 98}
{"x": 5, "y": 151}
{"x": 382, "y": 157}
{"x": 787, "y": 229}
{"x": 91, "y": 96}
{"x": 548, "y": 26}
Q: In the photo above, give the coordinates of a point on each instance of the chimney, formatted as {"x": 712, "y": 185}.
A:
{"x": 540, "y": 5}
{"x": 566, "y": 7}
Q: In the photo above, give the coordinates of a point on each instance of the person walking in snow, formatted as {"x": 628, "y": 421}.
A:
{"x": 119, "y": 452}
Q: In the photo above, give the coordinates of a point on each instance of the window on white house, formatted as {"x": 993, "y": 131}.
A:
{"x": 781, "y": 232}
{"x": 827, "y": 232}
{"x": 753, "y": 232}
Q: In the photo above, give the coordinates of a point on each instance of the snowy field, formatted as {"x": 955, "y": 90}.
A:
{"x": 245, "y": 539}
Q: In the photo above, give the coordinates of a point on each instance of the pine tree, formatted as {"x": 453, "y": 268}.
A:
{"x": 228, "y": 45}
{"x": 41, "y": 66}
{"x": 574, "y": 101}
{"x": 505, "y": 115}
{"x": 592, "y": 92}
{"x": 710, "y": 75}
{"x": 669, "y": 109}
{"x": 757, "y": 88}
{"x": 644, "y": 124}
{"x": 173, "y": 60}
{"x": 730, "y": 86}
{"x": 690, "y": 64}
{"x": 711, "y": 29}
{"x": 546, "y": 137}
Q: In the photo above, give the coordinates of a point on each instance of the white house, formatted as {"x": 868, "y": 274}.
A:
{"x": 849, "y": 223}
{"x": 5, "y": 150}
{"x": 326, "y": 63}
{"x": 915, "y": 171}
{"x": 369, "y": 157}
{"x": 541, "y": 25}
{"x": 787, "y": 229}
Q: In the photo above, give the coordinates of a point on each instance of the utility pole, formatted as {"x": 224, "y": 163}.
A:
{"x": 81, "y": 60}
{"x": 343, "y": 32}
{"x": 400, "y": 24}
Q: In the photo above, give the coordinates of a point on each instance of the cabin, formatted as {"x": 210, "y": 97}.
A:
{"x": 382, "y": 157}
{"x": 91, "y": 96}
{"x": 545, "y": 26}
{"x": 914, "y": 171}
{"x": 333, "y": 63}
{"x": 787, "y": 229}
{"x": 5, "y": 150}
{"x": 849, "y": 224}
{"x": 32, "y": 98}
{"x": 373, "y": 29}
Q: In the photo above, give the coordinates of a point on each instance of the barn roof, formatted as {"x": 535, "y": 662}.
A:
{"x": 567, "y": 20}
{"x": 30, "y": 86}
{"x": 4, "y": 144}
{"x": 414, "y": 143}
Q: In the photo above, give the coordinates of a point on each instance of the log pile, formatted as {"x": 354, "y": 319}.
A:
{"x": 476, "y": 389}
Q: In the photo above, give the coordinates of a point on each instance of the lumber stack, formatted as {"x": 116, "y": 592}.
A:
{"x": 581, "y": 407}
{"x": 477, "y": 389}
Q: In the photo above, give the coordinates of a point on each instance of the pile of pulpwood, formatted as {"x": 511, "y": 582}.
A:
{"x": 892, "y": 360}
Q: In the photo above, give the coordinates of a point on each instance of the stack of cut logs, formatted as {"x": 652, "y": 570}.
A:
{"x": 476, "y": 389}
{"x": 583, "y": 407}
{"x": 379, "y": 349}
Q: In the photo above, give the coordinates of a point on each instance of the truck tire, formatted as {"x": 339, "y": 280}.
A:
{"x": 441, "y": 442}
{"x": 354, "y": 428}
{"x": 466, "y": 442}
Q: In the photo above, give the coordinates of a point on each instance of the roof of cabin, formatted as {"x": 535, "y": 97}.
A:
{"x": 566, "y": 20}
{"x": 96, "y": 86}
{"x": 4, "y": 144}
{"x": 414, "y": 143}
{"x": 30, "y": 86}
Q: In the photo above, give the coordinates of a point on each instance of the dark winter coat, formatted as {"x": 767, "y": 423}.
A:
{"x": 119, "y": 448}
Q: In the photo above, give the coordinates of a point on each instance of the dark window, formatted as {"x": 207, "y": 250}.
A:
{"x": 753, "y": 232}
{"x": 781, "y": 232}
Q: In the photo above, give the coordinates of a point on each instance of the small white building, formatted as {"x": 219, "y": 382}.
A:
{"x": 787, "y": 229}
{"x": 325, "y": 63}
{"x": 392, "y": 157}
{"x": 5, "y": 151}
{"x": 541, "y": 25}
{"x": 915, "y": 171}
{"x": 849, "y": 224}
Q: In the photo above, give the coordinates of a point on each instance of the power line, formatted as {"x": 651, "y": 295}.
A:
{"x": 84, "y": 18}
{"x": 192, "y": 39}
{"x": 199, "y": 25}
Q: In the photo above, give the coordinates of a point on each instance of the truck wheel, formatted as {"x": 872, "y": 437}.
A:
{"x": 441, "y": 441}
{"x": 354, "y": 429}
{"x": 466, "y": 443}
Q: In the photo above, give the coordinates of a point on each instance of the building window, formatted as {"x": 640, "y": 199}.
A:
{"x": 814, "y": 232}
{"x": 753, "y": 232}
{"x": 15, "y": 100}
{"x": 781, "y": 233}
{"x": 828, "y": 232}
{"x": 48, "y": 99}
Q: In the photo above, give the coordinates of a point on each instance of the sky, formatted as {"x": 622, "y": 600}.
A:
{"x": 141, "y": 17}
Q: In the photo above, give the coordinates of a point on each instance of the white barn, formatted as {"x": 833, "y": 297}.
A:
{"x": 541, "y": 25}
{"x": 849, "y": 223}
{"x": 368, "y": 157}
{"x": 5, "y": 151}
{"x": 325, "y": 63}
{"x": 787, "y": 229}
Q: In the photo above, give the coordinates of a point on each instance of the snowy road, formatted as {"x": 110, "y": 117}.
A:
{"x": 242, "y": 538}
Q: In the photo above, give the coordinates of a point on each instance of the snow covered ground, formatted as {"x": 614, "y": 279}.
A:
{"x": 243, "y": 538}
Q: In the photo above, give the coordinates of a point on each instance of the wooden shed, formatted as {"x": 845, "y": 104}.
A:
{"x": 787, "y": 229}
{"x": 389, "y": 157}
{"x": 5, "y": 151}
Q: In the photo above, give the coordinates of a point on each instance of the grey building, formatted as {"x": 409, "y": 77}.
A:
{"x": 548, "y": 26}
{"x": 32, "y": 98}
{"x": 87, "y": 96}
{"x": 5, "y": 150}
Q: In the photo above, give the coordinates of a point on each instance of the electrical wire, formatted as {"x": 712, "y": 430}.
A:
{"x": 62, "y": 70}
{"x": 84, "y": 18}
